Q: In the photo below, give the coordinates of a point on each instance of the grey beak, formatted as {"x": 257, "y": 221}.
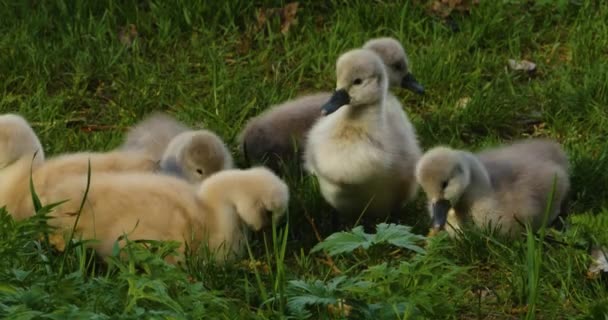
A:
{"x": 410, "y": 83}
{"x": 337, "y": 100}
{"x": 440, "y": 213}
{"x": 172, "y": 168}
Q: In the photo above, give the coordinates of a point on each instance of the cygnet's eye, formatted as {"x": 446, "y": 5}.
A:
{"x": 357, "y": 81}
{"x": 199, "y": 171}
{"x": 444, "y": 184}
{"x": 399, "y": 66}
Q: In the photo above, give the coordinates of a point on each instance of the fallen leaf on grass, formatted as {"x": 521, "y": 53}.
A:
{"x": 287, "y": 14}
{"x": 127, "y": 35}
{"x": 263, "y": 15}
{"x": 522, "y": 65}
{"x": 599, "y": 264}
{"x": 444, "y": 8}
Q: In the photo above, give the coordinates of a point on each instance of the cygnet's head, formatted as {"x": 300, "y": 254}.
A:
{"x": 264, "y": 198}
{"x": 444, "y": 175}
{"x": 17, "y": 140}
{"x": 397, "y": 63}
{"x": 361, "y": 81}
{"x": 195, "y": 155}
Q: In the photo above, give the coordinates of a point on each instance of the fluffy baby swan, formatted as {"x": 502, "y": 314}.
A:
{"x": 397, "y": 63}
{"x": 364, "y": 150}
{"x": 279, "y": 134}
{"x": 505, "y": 187}
{"x": 195, "y": 155}
{"x": 158, "y": 207}
{"x": 19, "y": 143}
{"x": 185, "y": 153}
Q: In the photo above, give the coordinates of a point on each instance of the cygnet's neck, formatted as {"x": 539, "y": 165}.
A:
{"x": 480, "y": 185}
{"x": 370, "y": 116}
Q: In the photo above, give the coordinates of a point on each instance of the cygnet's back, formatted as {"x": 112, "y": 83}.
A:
{"x": 529, "y": 150}
{"x": 153, "y": 134}
{"x": 55, "y": 168}
{"x": 522, "y": 175}
{"x": 142, "y": 206}
{"x": 279, "y": 133}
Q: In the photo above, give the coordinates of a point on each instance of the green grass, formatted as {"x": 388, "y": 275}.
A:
{"x": 63, "y": 67}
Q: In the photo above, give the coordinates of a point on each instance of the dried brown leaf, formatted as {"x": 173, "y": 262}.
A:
{"x": 288, "y": 16}
{"x": 244, "y": 45}
{"x": 127, "y": 35}
{"x": 443, "y": 8}
{"x": 263, "y": 15}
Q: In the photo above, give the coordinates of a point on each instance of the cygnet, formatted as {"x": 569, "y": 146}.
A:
{"x": 216, "y": 214}
{"x": 503, "y": 187}
{"x": 364, "y": 150}
{"x": 19, "y": 144}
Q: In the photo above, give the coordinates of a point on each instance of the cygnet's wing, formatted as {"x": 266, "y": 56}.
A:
{"x": 522, "y": 176}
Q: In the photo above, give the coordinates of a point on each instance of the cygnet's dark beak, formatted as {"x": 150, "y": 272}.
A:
{"x": 410, "y": 83}
{"x": 172, "y": 168}
{"x": 440, "y": 210}
{"x": 338, "y": 99}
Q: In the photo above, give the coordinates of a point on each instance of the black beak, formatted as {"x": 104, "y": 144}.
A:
{"x": 440, "y": 213}
{"x": 337, "y": 100}
{"x": 410, "y": 83}
{"x": 172, "y": 168}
